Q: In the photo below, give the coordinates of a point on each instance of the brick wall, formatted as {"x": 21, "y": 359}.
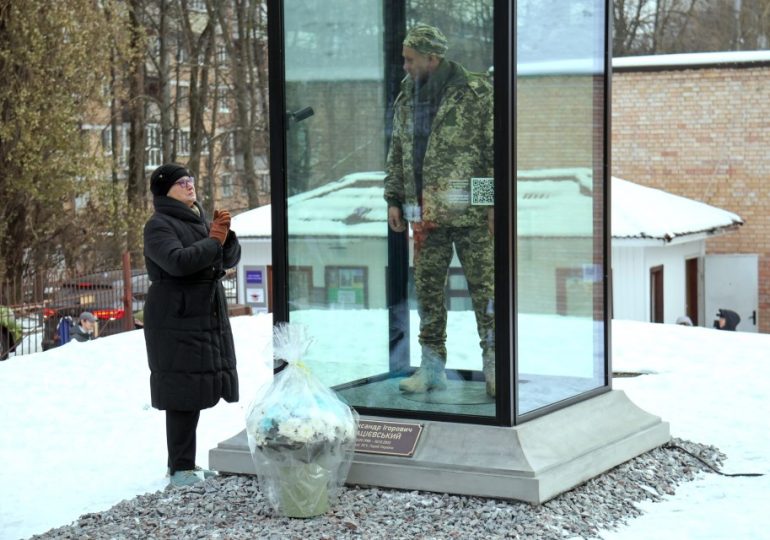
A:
{"x": 559, "y": 124}
{"x": 555, "y": 118}
{"x": 705, "y": 134}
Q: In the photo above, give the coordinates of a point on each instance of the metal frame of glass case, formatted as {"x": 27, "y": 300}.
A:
{"x": 505, "y": 93}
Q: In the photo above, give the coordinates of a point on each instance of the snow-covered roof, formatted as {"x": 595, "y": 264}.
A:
{"x": 591, "y": 64}
{"x": 559, "y": 202}
{"x": 550, "y": 203}
{"x": 350, "y": 206}
{"x": 690, "y": 60}
{"x": 644, "y": 212}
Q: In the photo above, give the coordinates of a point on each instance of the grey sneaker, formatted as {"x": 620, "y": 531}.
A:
{"x": 184, "y": 478}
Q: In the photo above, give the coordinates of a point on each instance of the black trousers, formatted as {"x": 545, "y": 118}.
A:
{"x": 180, "y": 439}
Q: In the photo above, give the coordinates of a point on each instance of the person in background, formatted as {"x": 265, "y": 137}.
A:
{"x": 440, "y": 181}
{"x": 684, "y": 320}
{"x": 84, "y": 330}
{"x": 190, "y": 347}
{"x": 727, "y": 319}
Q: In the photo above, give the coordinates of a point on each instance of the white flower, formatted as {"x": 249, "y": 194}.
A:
{"x": 294, "y": 408}
{"x": 306, "y": 432}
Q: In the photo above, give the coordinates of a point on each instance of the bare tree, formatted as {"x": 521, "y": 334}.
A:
{"x": 679, "y": 26}
{"x": 165, "y": 39}
{"x": 200, "y": 47}
{"x": 652, "y": 26}
{"x": 243, "y": 66}
{"x": 136, "y": 185}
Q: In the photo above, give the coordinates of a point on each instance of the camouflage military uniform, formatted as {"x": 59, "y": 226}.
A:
{"x": 459, "y": 148}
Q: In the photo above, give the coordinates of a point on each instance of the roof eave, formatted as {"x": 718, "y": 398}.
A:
{"x": 676, "y": 239}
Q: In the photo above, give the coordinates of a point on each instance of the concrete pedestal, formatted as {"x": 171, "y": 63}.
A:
{"x": 532, "y": 462}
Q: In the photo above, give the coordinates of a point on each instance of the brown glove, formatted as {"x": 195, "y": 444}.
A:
{"x": 218, "y": 232}
{"x": 222, "y": 216}
{"x": 220, "y": 226}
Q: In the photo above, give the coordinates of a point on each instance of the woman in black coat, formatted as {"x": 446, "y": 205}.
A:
{"x": 187, "y": 332}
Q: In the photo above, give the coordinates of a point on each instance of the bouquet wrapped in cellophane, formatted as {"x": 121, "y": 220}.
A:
{"x": 301, "y": 435}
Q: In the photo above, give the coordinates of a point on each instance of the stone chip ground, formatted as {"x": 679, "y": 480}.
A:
{"x": 233, "y": 508}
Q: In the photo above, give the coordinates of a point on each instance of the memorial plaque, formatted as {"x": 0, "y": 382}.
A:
{"x": 393, "y": 438}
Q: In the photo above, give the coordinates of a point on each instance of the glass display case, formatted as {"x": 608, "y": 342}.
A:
{"x": 440, "y": 188}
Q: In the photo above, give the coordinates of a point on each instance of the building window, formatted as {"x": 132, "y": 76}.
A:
{"x": 221, "y": 54}
{"x": 263, "y": 181}
{"x": 153, "y": 158}
{"x": 124, "y": 146}
{"x": 197, "y": 5}
{"x": 181, "y": 51}
{"x": 81, "y": 201}
{"x": 346, "y": 287}
{"x": 106, "y": 136}
{"x": 226, "y": 151}
{"x": 182, "y": 94}
{"x": 227, "y": 185}
{"x": 228, "y": 144}
{"x": 222, "y": 101}
{"x": 183, "y": 143}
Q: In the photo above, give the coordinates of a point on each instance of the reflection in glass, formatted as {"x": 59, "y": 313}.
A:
{"x": 337, "y": 238}
{"x": 338, "y": 180}
{"x": 559, "y": 200}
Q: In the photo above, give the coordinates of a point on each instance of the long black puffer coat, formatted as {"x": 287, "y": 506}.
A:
{"x": 189, "y": 341}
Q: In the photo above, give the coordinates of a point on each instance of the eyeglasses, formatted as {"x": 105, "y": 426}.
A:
{"x": 185, "y": 181}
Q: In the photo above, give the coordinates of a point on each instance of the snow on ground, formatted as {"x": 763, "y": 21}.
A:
{"x": 79, "y": 434}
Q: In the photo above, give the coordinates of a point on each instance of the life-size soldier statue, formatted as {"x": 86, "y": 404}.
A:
{"x": 439, "y": 180}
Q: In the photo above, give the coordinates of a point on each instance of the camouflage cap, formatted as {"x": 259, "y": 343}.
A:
{"x": 426, "y": 39}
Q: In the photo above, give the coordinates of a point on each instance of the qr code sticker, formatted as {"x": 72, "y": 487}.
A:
{"x": 483, "y": 191}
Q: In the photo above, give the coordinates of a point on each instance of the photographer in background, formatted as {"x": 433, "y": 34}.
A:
{"x": 727, "y": 320}
{"x": 85, "y": 329}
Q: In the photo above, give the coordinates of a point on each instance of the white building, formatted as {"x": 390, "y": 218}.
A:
{"x": 659, "y": 262}
{"x": 658, "y": 248}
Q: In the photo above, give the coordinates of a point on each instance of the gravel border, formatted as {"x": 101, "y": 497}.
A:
{"x": 232, "y": 507}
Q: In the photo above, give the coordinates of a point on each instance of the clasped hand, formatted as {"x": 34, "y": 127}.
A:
{"x": 220, "y": 226}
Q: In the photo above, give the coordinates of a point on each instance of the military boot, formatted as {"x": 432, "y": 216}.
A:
{"x": 429, "y": 376}
{"x": 489, "y": 371}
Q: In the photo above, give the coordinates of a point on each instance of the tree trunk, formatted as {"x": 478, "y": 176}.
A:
{"x": 136, "y": 189}
{"x": 240, "y": 65}
{"x": 163, "y": 82}
{"x": 199, "y": 84}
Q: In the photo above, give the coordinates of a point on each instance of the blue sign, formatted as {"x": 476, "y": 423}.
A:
{"x": 253, "y": 276}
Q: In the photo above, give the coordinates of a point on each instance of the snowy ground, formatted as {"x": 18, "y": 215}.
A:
{"x": 79, "y": 435}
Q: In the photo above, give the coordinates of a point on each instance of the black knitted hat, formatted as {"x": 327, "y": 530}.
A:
{"x": 163, "y": 177}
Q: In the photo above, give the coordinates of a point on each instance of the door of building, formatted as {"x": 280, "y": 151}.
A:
{"x": 731, "y": 282}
